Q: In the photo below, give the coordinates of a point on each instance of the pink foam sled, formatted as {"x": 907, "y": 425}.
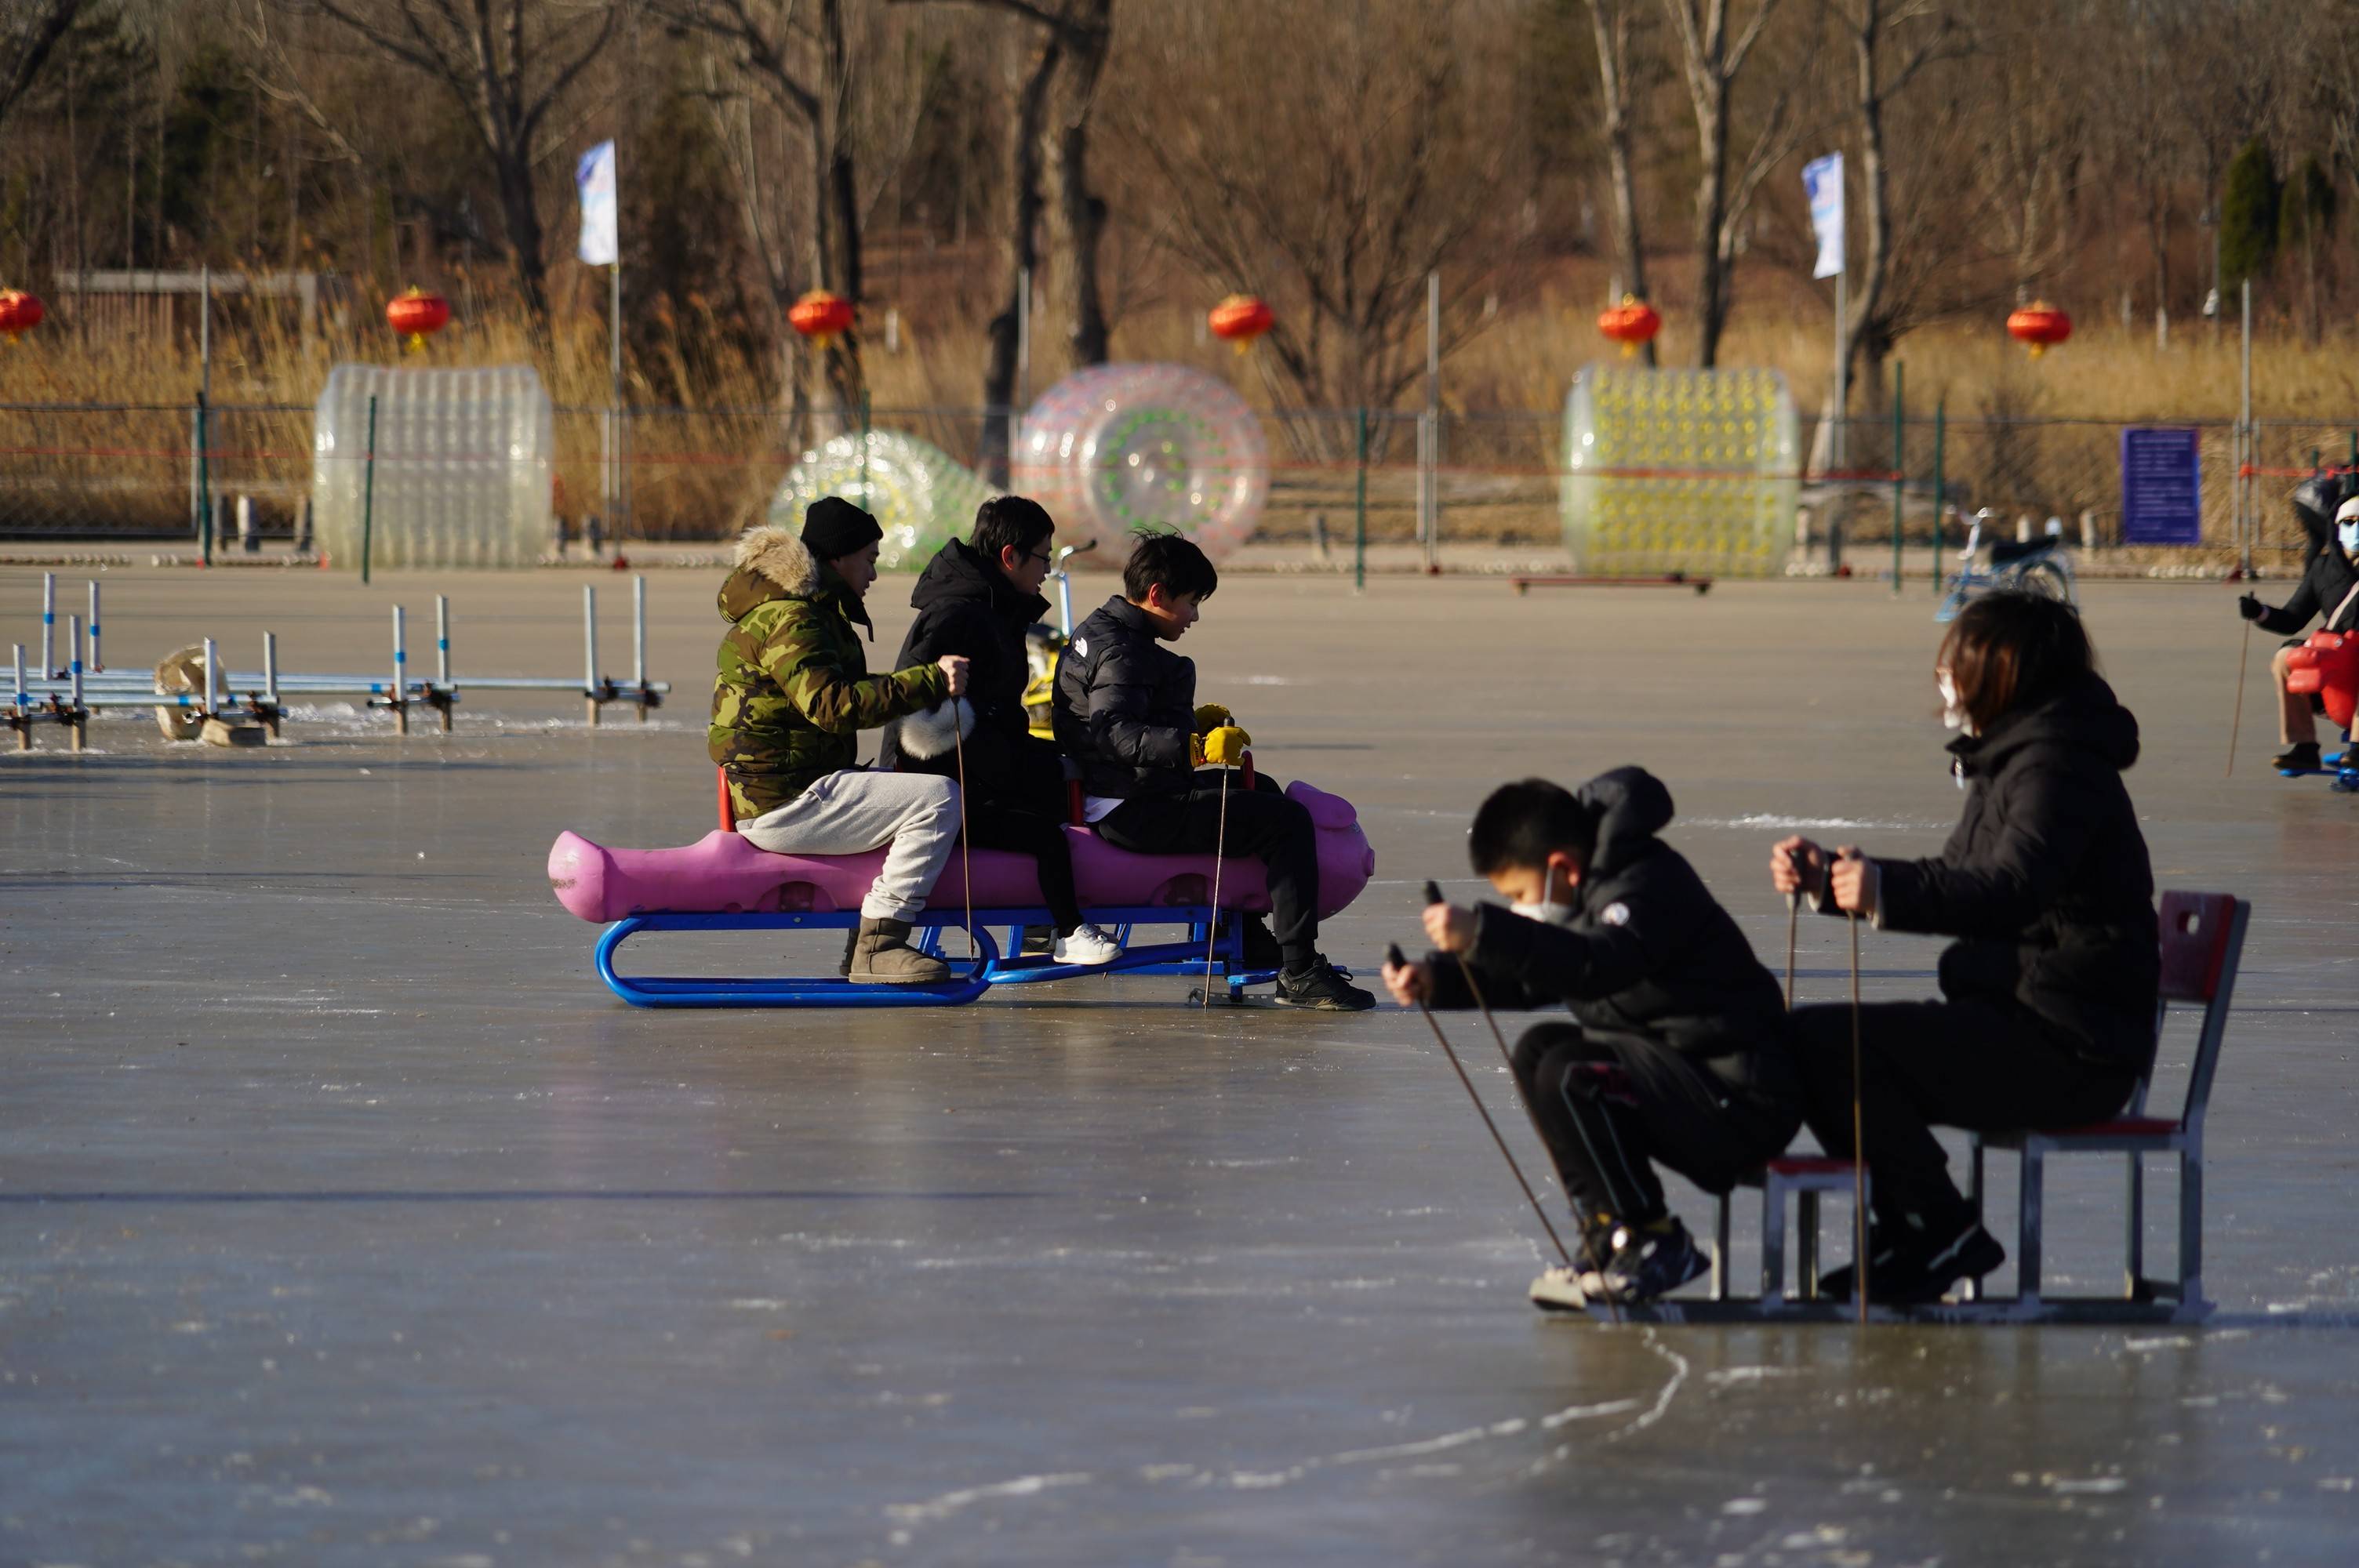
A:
{"x": 723, "y": 873}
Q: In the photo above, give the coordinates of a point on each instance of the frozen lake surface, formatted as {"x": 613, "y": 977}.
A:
{"x": 345, "y": 1218}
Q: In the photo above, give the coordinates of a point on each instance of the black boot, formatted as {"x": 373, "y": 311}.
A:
{"x": 2302, "y": 757}
{"x": 1913, "y": 1265}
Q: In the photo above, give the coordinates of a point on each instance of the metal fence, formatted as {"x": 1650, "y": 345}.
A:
{"x": 154, "y": 472}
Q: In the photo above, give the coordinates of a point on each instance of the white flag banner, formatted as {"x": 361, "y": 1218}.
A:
{"x": 1823, "y": 178}
{"x": 593, "y": 177}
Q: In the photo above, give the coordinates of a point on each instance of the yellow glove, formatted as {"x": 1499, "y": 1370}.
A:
{"x": 1225, "y": 746}
{"x": 1210, "y": 717}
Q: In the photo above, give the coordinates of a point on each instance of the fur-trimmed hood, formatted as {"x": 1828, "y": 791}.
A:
{"x": 771, "y": 562}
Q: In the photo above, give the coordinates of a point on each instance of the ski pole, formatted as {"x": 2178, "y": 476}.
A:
{"x": 1392, "y": 955}
{"x": 966, "y": 857}
{"x": 1474, "y": 989}
{"x": 1858, "y": 1134}
{"x": 2236, "y": 723}
{"x": 1212, "y": 925}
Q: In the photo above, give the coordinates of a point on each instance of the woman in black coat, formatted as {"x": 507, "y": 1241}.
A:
{"x": 2050, "y": 994}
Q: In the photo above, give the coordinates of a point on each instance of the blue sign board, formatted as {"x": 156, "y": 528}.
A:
{"x": 2162, "y": 486}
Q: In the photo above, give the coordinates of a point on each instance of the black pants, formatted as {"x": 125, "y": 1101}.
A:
{"x": 1022, "y": 807}
{"x": 1609, "y": 1105}
{"x": 1263, "y": 822}
{"x": 1985, "y": 1066}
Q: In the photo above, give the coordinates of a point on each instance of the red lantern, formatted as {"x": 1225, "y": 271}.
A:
{"x": 1630, "y": 323}
{"x": 418, "y": 315}
{"x": 1239, "y": 319}
{"x": 19, "y": 313}
{"x": 821, "y": 316}
{"x": 2038, "y": 325}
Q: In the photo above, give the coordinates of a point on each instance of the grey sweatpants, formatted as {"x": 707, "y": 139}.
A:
{"x": 917, "y": 815}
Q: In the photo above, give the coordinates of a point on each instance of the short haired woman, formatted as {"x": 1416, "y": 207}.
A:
{"x": 2047, "y": 1014}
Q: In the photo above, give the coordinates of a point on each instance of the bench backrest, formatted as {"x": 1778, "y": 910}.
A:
{"x": 2203, "y": 942}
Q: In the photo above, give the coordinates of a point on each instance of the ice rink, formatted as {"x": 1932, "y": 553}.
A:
{"x": 345, "y": 1218}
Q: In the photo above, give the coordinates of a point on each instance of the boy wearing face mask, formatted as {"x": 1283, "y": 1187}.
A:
{"x": 2330, "y": 586}
{"x": 1678, "y": 1050}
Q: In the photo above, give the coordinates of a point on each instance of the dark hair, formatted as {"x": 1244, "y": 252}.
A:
{"x": 1522, "y": 824}
{"x": 1169, "y": 561}
{"x": 2006, "y": 651}
{"x": 1007, "y": 520}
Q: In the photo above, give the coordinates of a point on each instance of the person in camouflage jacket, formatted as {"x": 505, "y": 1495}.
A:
{"x": 790, "y": 693}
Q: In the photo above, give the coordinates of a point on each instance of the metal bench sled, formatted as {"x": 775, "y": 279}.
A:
{"x": 2203, "y": 944}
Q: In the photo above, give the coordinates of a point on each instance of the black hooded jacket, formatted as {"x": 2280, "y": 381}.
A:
{"x": 2326, "y": 585}
{"x": 967, "y": 606}
{"x": 1126, "y": 706}
{"x": 1649, "y": 952}
{"x": 2045, "y": 881}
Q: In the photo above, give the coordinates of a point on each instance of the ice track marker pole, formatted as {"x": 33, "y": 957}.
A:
{"x": 2236, "y": 723}
{"x": 1508, "y": 1060}
{"x": 1212, "y": 925}
{"x": 1392, "y": 955}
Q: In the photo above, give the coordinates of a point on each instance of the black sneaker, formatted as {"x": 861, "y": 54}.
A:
{"x": 2299, "y": 758}
{"x": 1916, "y": 1268}
{"x": 1320, "y": 987}
{"x": 1648, "y": 1263}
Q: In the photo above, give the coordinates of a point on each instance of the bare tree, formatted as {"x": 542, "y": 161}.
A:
{"x": 508, "y": 63}
{"x": 1021, "y": 249}
{"x": 1395, "y": 158}
{"x": 1891, "y": 42}
{"x": 28, "y": 36}
{"x": 1712, "y": 61}
{"x": 1614, "y": 24}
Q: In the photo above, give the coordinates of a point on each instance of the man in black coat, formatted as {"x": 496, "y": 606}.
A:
{"x": 1124, "y": 708}
{"x": 976, "y": 599}
{"x": 1678, "y": 1053}
{"x": 2329, "y": 588}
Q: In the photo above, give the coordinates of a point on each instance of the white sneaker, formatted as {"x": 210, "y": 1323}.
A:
{"x": 1559, "y": 1288}
{"x": 1087, "y": 945}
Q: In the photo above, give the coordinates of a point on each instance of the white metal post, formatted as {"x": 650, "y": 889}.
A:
{"x": 270, "y": 680}
{"x": 50, "y": 670}
{"x": 23, "y": 706}
{"x": 2247, "y": 520}
{"x": 400, "y": 675}
{"x": 1428, "y": 522}
{"x": 589, "y": 682}
{"x": 442, "y": 659}
{"x": 97, "y": 664}
{"x": 212, "y": 680}
{"x": 639, "y": 643}
{"x": 80, "y": 720}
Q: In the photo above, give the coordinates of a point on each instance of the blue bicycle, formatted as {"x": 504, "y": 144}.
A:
{"x": 2040, "y": 566}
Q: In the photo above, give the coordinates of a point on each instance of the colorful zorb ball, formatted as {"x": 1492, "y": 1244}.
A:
{"x": 1116, "y": 447}
{"x": 1687, "y": 470}
{"x": 920, "y": 495}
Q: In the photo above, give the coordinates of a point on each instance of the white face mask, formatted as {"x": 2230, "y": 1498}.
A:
{"x": 2347, "y": 536}
{"x": 1548, "y": 912}
{"x": 1953, "y": 716}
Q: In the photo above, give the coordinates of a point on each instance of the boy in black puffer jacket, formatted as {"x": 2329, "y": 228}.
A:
{"x": 1678, "y": 1052}
{"x": 1125, "y": 709}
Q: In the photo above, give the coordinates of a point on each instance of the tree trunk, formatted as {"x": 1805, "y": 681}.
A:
{"x": 1609, "y": 19}
{"x": 521, "y": 217}
{"x": 835, "y": 227}
{"x": 1022, "y": 259}
{"x": 1081, "y": 214}
{"x": 1712, "y": 200}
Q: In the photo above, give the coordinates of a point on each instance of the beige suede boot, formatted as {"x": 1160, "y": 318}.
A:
{"x": 880, "y": 955}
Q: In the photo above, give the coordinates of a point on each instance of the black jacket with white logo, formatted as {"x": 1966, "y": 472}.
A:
{"x": 1126, "y": 706}
{"x": 1649, "y": 952}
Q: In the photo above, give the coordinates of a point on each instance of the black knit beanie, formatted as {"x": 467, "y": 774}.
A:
{"x": 834, "y": 528}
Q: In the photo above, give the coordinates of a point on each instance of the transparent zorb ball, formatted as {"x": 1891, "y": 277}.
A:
{"x": 1119, "y": 447}
{"x": 920, "y": 495}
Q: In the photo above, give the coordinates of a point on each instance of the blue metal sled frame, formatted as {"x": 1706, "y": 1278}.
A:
{"x": 989, "y": 969}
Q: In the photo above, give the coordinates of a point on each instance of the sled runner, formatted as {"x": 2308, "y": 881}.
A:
{"x": 2203, "y": 941}
{"x": 724, "y": 883}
